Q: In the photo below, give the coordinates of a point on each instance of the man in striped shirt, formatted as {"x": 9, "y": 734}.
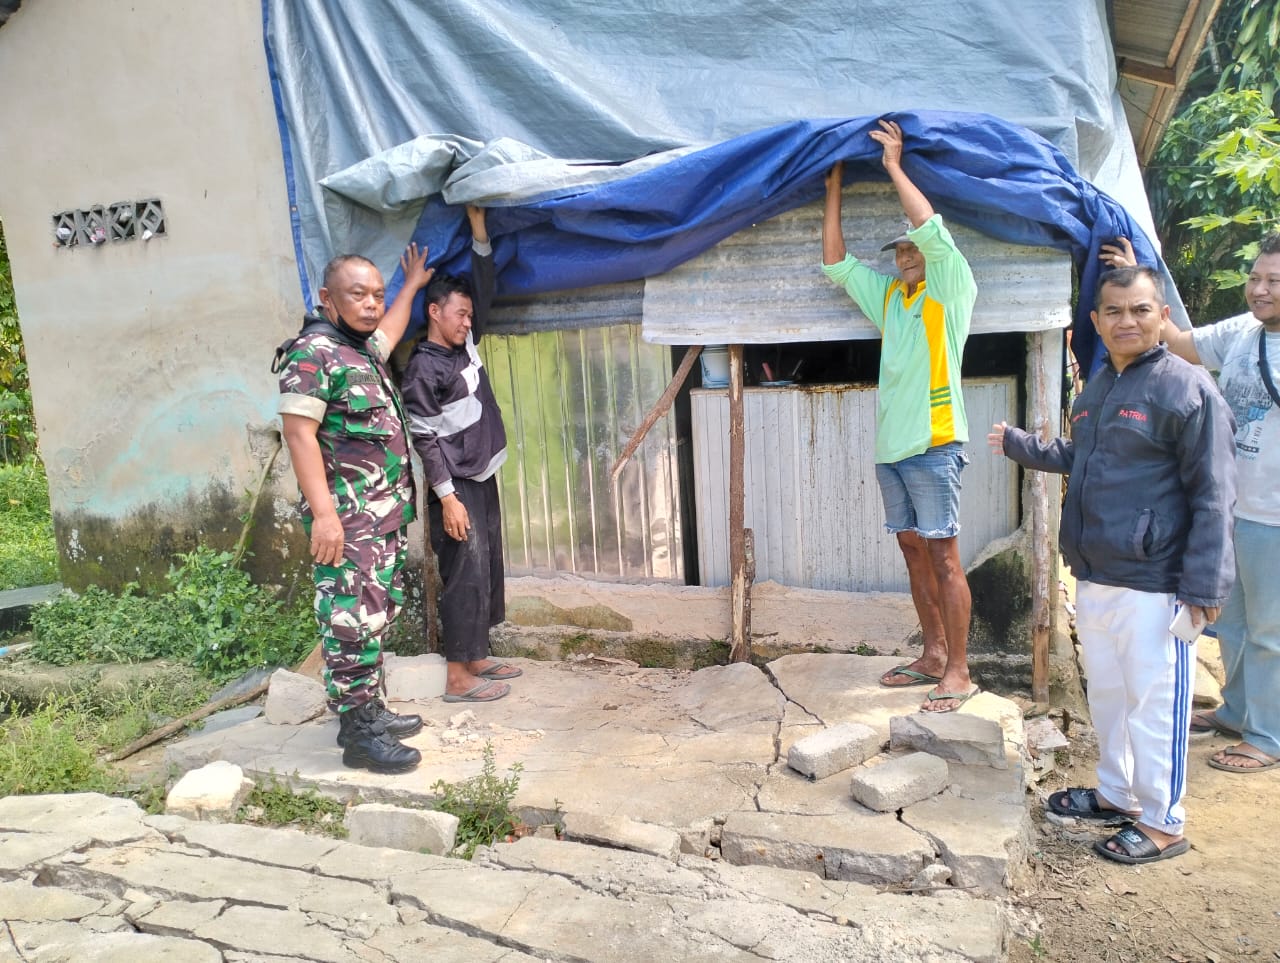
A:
{"x": 457, "y": 431}
{"x": 923, "y": 317}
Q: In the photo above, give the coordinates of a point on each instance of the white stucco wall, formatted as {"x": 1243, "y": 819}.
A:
{"x": 149, "y": 360}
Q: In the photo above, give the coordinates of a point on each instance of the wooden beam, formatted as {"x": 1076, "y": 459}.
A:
{"x": 660, "y": 408}
{"x": 1149, "y": 73}
{"x": 741, "y": 542}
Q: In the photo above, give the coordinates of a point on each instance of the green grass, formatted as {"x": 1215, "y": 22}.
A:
{"x": 28, "y": 555}
{"x": 53, "y": 750}
{"x": 60, "y": 746}
{"x": 274, "y": 803}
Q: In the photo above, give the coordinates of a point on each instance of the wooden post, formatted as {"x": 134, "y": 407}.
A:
{"x": 660, "y": 408}
{"x": 1044, "y": 390}
{"x": 741, "y": 541}
{"x": 430, "y": 590}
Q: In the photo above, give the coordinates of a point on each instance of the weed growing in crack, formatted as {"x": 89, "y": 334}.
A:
{"x": 481, "y": 803}
{"x": 275, "y": 803}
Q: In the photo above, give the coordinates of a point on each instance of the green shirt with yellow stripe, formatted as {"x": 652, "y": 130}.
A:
{"x": 919, "y": 403}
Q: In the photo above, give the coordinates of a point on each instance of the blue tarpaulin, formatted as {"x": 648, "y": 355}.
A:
{"x": 978, "y": 170}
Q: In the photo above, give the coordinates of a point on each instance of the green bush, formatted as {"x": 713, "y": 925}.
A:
{"x": 213, "y": 618}
{"x": 28, "y": 555}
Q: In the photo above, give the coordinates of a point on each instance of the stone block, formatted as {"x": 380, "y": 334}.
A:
{"x": 230, "y": 717}
{"x": 981, "y": 841}
{"x": 415, "y": 830}
{"x": 1208, "y": 692}
{"x": 863, "y": 847}
{"x": 899, "y": 782}
{"x": 212, "y": 793}
{"x": 415, "y": 678}
{"x": 695, "y": 839}
{"x": 958, "y": 736}
{"x": 833, "y": 750}
{"x": 622, "y": 833}
{"x": 293, "y": 699}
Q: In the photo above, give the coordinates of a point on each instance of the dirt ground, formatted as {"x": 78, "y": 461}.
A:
{"x": 1218, "y": 902}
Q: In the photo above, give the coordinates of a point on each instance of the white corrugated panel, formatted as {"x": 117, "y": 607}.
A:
{"x": 765, "y": 284}
{"x": 812, "y": 498}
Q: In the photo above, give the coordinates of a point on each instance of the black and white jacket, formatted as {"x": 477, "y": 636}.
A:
{"x": 453, "y": 415}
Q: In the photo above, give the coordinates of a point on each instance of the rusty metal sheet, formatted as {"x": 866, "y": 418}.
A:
{"x": 765, "y": 285}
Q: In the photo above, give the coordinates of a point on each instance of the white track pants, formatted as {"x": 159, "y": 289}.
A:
{"x": 1140, "y": 682}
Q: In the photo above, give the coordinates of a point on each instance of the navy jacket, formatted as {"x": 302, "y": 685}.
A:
{"x": 1153, "y": 480}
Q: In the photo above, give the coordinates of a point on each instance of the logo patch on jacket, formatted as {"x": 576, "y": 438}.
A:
{"x": 1083, "y": 414}
{"x": 1133, "y": 414}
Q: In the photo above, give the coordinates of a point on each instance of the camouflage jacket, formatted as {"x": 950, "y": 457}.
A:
{"x": 362, "y": 434}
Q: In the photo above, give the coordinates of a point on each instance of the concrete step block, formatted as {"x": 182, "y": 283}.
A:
{"x": 862, "y": 847}
{"x": 833, "y": 750}
{"x": 212, "y": 793}
{"x": 983, "y": 842}
{"x": 957, "y": 736}
{"x": 293, "y": 699}
{"x": 899, "y": 782}
{"x": 415, "y": 678}
{"x": 623, "y": 833}
{"x": 394, "y": 827}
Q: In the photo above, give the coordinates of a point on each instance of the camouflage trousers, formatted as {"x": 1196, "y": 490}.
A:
{"x": 356, "y": 602}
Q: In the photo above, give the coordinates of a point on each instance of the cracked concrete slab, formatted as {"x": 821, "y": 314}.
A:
{"x": 537, "y": 899}
{"x": 983, "y": 843}
{"x": 697, "y": 755}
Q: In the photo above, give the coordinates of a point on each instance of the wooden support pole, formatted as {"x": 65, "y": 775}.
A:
{"x": 660, "y": 408}
{"x": 741, "y": 547}
{"x": 1043, "y": 367}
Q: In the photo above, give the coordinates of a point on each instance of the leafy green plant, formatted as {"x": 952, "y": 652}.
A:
{"x": 275, "y": 803}
{"x": 52, "y": 750}
{"x": 213, "y": 617}
{"x": 1215, "y": 188}
{"x": 232, "y": 624}
{"x": 17, "y": 420}
{"x": 481, "y": 803}
{"x": 28, "y": 555}
{"x": 97, "y": 626}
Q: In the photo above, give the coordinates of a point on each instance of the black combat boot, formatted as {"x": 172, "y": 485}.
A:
{"x": 397, "y": 726}
{"x": 367, "y": 744}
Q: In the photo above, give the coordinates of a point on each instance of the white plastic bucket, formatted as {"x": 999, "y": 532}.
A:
{"x": 715, "y": 366}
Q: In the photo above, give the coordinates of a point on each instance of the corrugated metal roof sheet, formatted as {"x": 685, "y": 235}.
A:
{"x": 764, "y": 285}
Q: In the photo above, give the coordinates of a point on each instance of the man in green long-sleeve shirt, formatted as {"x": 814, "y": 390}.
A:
{"x": 923, "y": 317}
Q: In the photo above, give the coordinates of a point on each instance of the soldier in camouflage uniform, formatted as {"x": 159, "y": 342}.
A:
{"x": 345, "y": 428}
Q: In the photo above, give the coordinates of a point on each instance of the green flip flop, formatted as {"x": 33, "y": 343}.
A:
{"x": 960, "y": 697}
{"x": 919, "y": 678}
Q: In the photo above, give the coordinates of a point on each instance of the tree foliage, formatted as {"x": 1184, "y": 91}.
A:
{"x": 17, "y": 421}
{"x": 1214, "y": 182}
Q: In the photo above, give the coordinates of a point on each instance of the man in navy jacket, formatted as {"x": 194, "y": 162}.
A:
{"x": 1146, "y": 528}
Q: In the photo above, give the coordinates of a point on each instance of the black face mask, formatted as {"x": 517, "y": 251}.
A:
{"x": 358, "y": 336}
{"x": 318, "y": 321}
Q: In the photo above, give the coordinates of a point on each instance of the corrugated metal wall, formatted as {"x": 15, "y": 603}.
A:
{"x": 812, "y": 498}
{"x": 570, "y": 400}
{"x": 764, "y": 285}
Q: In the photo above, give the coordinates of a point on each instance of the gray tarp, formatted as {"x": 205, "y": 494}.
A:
{"x": 388, "y": 101}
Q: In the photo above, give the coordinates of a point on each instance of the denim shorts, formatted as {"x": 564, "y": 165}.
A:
{"x": 922, "y": 493}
